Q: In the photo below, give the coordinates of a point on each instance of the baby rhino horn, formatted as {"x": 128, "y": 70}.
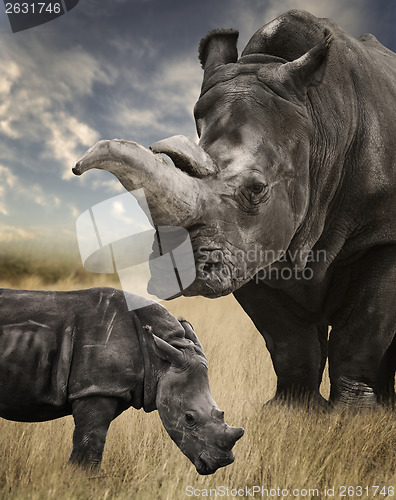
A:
{"x": 233, "y": 434}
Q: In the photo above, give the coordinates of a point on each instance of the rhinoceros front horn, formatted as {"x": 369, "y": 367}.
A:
{"x": 171, "y": 193}
{"x": 232, "y": 436}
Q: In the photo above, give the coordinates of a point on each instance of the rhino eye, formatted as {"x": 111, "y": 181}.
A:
{"x": 190, "y": 420}
{"x": 257, "y": 188}
{"x": 253, "y": 194}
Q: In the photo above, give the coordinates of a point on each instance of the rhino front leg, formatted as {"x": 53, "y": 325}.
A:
{"x": 298, "y": 348}
{"x": 92, "y": 417}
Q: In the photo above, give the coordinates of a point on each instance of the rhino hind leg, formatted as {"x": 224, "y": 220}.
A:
{"x": 386, "y": 383}
{"x": 92, "y": 417}
{"x": 362, "y": 346}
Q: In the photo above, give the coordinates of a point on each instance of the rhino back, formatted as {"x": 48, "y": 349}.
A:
{"x": 58, "y": 346}
{"x": 292, "y": 34}
{"x": 35, "y": 357}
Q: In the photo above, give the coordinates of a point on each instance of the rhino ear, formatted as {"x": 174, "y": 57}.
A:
{"x": 218, "y": 48}
{"x": 169, "y": 353}
{"x": 308, "y": 70}
{"x": 189, "y": 333}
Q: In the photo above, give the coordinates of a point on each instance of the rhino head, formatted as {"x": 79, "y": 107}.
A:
{"x": 243, "y": 191}
{"x": 187, "y": 408}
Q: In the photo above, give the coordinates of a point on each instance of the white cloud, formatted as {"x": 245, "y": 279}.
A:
{"x": 3, "y": 207}
{"x": 11, "y": 233}
{"x": 143, "y": 48}
{"x": 64, "y": 139}
{"x": 75, "y": 212}
{"x": 7, "y": 181}
{"x": 179, "y": 83}
{"x": 160, "y": 103}
{"x": 14, "y": 187}
{"x": 10, "y": 74}
{"x": 111, "y": 185}
{"x": 138, "y": 118}
{"x": 37, "y": 88}
{"x": 118, "y": 208}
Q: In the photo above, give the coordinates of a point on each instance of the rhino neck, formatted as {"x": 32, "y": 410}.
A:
{"x": 351, "y": 203}
{"x": 334, "y": 130}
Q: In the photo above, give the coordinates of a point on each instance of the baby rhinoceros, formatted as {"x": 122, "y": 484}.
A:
{"x": 85, "y": 353}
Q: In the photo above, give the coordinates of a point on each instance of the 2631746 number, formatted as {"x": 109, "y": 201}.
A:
{"x": 33, "y": 8}
{"x": 366, "y": 491}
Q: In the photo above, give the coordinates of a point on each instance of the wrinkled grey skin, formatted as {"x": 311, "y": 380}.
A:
{"x": 84, "y": 353}
{"x": 294, "y": 175}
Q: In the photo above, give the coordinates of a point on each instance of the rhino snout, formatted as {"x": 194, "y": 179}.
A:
{"x": 209, "y": 461}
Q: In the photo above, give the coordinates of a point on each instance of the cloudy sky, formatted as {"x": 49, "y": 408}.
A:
{"x": 116, "y": 69}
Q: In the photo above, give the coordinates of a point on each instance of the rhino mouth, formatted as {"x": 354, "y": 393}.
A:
{"x": 216, "y": 273}
{"x": 205, "y": 466}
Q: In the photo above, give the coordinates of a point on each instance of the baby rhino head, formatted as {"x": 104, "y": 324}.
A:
{"x": 187, "y": 409}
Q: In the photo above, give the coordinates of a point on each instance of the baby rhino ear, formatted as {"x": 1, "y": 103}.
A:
{"x": 189, "y": 333}
{"x": 169, "y": 353}
{"x": 308, "y": 70}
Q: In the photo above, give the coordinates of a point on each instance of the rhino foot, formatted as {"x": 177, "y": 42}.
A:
{"x": 349, "y": 393}
{"x": 90, "y": 467}
{"x": 307, "y": 401}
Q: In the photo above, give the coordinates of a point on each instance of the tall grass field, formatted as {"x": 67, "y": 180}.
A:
{"x": 285, "y": 452}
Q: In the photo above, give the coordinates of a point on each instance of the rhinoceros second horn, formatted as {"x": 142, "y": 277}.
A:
{"x": 186, "y": 155}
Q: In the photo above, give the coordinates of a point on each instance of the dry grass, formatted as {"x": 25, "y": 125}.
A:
{"x": 282, "y": 448}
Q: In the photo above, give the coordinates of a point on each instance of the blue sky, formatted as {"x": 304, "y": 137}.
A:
{"x": 121, "y": 69}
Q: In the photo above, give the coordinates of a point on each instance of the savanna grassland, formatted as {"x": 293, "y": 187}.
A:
{"x": 283, "y": 449}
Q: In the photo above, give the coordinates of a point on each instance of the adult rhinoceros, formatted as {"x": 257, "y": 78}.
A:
{"x": 290, "y": 197}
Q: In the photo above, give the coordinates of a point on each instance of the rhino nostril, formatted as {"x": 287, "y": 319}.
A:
{"x": 216, "y": 256}
{"x": 209, "y": 267}
{"x": 212, "y": 260}
{"x": 218, "y": 414}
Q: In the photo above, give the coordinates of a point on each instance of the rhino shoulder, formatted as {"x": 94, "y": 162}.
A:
{"x": 98, "y": 297}
{"x": 161, "y": 322}
{"x": 371, "y": 42}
